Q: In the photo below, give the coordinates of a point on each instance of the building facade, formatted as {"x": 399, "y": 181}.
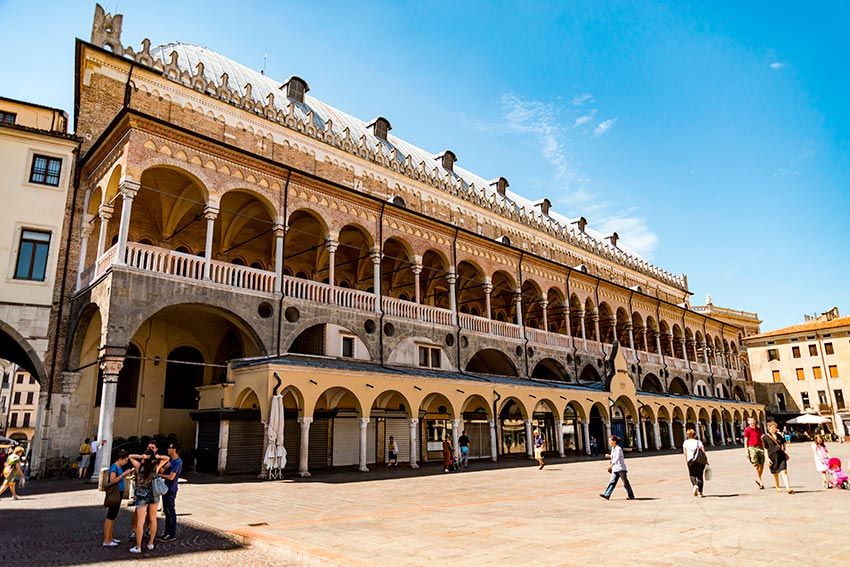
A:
{"x": 37, "y": 158}
{"x": 18, "y": 403}
{"x": 233, "y": 228}
{"x": 804, "y": 368}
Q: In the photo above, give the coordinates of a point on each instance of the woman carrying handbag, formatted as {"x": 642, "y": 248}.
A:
{"x": 774, "y": 443}
{"x": 696, "y": 460}
{"x": 114, "y": 492}
{"x": 147, "y": 468}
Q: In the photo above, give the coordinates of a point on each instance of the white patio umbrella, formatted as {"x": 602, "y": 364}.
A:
{"x": 275, "y": 459}
{"x": 808, "y": 419}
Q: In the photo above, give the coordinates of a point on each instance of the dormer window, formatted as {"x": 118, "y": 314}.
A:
{"x": 581, "y": 268}
{"x": 296, "y": 88}
{"x": 380, "y": 127}
{"x": 501, "y": 184}
{"x": 448, "y": 159}
{"x": 504, "y": 240}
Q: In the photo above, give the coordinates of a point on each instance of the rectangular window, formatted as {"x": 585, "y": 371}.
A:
{"x": 780, "y": 401}
{"x": 8, "y": 117}
{"x": 822, "y": 397}
{"x": 32, "y": 379}
{"x": 828, "y": 348}
{"x": 813, "y": 350}
{"x": 32, "y": 255}
{"x": 800, "y": 374}
{"x": 839, "y": 399}
{"x": 5, "y": 380}
{"x": 795, "y": 351}
{"x": 16, "y": 399}
{"x": 430, "y": 357}
{"x": 13, "y": 420}
{"x": 806, "y": 403}
{"x": 776, "y": 376}
{"x": 348, "y": 347}
{"x": 45, "y": 170}
{"x": 816, "y": 372}
{"x": 20, "y": 378}
{"x": 833, "y": 371}
{"x": 26, "y": 420}
{"x": 772, "y": 354}
{"x": 29, "y": 398}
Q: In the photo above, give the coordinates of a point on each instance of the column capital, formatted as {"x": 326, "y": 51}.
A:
{"x": 416, "y": 268}
{"x": 331, "y": 244}
{"x": 111, "y": 365}
{"x": 364, "y": 422}
{"x": 306, "y": 420}
{"x": 129, "y": 188}
{"x": 487, "y": 286}
{"x": 87, "y": 229}
{"x": 544, "y": 303}
{"x": 413, "y": 421}
{"x": 211, "y": 213}
{"x": 105, "y": 212}
{"x": 375, "y": 254}
{"x": 491, "y": 423}
{"x": 451, "y": 276}
{"x": 279, "y": 229}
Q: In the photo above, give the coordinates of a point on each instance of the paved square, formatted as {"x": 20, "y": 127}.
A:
{"x": 548, "y": 517}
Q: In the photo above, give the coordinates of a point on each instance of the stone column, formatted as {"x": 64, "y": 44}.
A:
{"x": 658, "y": 343}
{"x": 583, "y": 329}
{"x": 559, "y": 438}
{"x": 128, "y": 193}
{"x": 529, "y": 439}
{"x": 723, "y": 432}
{"x": 331, "y": 245}
{"x": 656, "y": 432}
{"x": 518, "y": 302}
{"x": 639, "y": 431}
{"x": 364, "y": 424}
{"x": 710, "y": 433}
{"x": 645, "y": 339}
{"x": 85, "y": 233}
{"x": 567, "y": 319}
{"x": 111, "y": 367}
{"x": 279, "y": 230}
{"x": 417, "y": 293}
{"x": 494, "y": 451}
{"x": 704, "y": 348}
{"x": 210, "y": 213}
{"x": 698, "y": 427}
{"x": 545, "y": 305}
{"x": 451, "y": 278}
{"x": 105, "y": 214}
{"x": 585, "y": 429}
{"x": 375, "y": 254}
{"x": 223, "y": 444}
{"x": 670, "y": 434}
{"x": 304, "y": 450}
{"x": 603, "y": 443}
{"x": 630, "y": 328}
{"x": 596, "y": 327}
{"x": 414, "y": 446}
{"x": 685, "y": 429}
{"x": 456, "y": 425}
{"x": 488, "y": 289}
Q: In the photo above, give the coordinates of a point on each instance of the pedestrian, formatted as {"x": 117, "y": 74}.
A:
{"x": 538, "y": 449}
{"x": 618, "y": 470}
{"x": 774, "y": 442}
{"x": 85, "y": 457}
{"x": 13, "y": 473}
{"x": 147, "y": 467}
{"x": 93, "y": 446}
{"x": 754, "y": 447}
{"x": 696, "y": 460}
{"x": 821, "y": 454}
{"x": 112, "y": 500}
{"x": 392, "y": 452}
{"x": 447, "y": 454}
{"x": 152, "y": 446}
{"x": 594, "y": 446}
{"x": 171, "y": 473}
{"x": 463, "y": 443}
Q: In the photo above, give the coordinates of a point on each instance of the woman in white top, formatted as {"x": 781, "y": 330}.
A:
{"x": 696, "y": 460}
{"x": 821, "y": 454}
{"x": 392, "y": 449}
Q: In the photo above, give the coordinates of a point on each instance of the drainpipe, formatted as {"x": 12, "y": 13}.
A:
{"x": 596, "y": 326}
{"x": 496, "y": 397}
{"x": 283, "y": 259}
{"x": 658, "y": 319}
{"x": 685, "y": 348}
{"x": 524, "y": 315}
{"x": 572, "y": 333}
{"x": 457, "y": 312}
{"x": 632, "y": 332}
{"x": 379, "y": 299}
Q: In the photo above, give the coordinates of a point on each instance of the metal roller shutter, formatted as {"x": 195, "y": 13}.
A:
{"x": 291, "y": 440}
{"x": 245, "y": 447}
{"x": 207, "y": 449}
{"x": 371, "y": 441}
{"x": 319, "y": 437}
{"x": 400, "y": 429}
{"x": 345, "y": 439}
{"x": 479, "y": 439}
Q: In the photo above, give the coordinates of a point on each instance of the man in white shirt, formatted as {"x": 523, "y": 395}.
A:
{"x": 618, "y": 470}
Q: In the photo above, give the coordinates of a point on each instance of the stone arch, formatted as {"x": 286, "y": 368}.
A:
{"x": 338, "y": 397}
{"x": 607, "y": 323}
{"x": 434, "y": 402}
{"x": 477, "y": 401}
{"x": 589, "y": 314}
{"x": 502, "y": 298}
{"x": 622, "y": 324}
{"x": 589, "y": 373}
{"x": 433, "y": 282}
{"x": 170, "y": 202}
{"x": 244, "y": 224}
{"x": 15, "y": 348}
{"x": 397, "y": 279}
{"x": 491, "y": 361}
{"x": 651, "y": 383}
{"x": 556, "y": 311}
{"x": 550, "y": 405}
{"x": 532, "y": 304}
{"x": 652, "y": 335}
{"x": 310, "y": 336}
{"x": 738, "y": 394}
{"x": 391, "y": 400}
{"x": 550, "y": 369}
{"x": 352, "y": 260}
{"x": 78, "y": 329}
{"x": 247, "y": 399}
{"x": 576, "y": 309}
{"x": 701, "y": 389}
{"x": 470, "y": 288}
{"x": 305, "y": 244}
{"x": 678, "y": 387}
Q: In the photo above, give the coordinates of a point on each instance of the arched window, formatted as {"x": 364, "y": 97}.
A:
{"x": 184, "y": 372}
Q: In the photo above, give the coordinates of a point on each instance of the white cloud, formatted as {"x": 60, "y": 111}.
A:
{"x": 776, "y": 65}
{"x": 548, "y": 125}
{"x": 604, "y": 126}
{"x": 582, "y": 99}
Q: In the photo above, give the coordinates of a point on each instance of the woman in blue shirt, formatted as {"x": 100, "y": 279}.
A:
{"x": 116, "y": 476}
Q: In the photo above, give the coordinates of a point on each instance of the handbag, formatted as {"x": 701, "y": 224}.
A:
{"x": 112, "y": 497}
{"x": 707, "y": 474}
{"x": 159, "y": 486}
{"x": 700, "y": 457}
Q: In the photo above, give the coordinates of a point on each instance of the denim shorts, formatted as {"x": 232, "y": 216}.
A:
{"x": 145, "y": 496}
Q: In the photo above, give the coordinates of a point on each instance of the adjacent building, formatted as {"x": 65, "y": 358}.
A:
{"x": 18, "y": 403}
{"x": 37, "y": 160}
{"x": 804, "y": 368}
{"x": 239, "y": 238}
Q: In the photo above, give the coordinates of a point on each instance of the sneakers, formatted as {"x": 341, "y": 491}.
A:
{"x": 135, "y": 549}
{"x": 605, "y": 496}
{"x": 167, "y": 537}
{"x": 696, "y": 491}
{"x": 112, "y": 543}
{"x": 150, "y": 546}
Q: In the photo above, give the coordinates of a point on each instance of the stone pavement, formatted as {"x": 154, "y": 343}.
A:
{"x": 490, "y": 515}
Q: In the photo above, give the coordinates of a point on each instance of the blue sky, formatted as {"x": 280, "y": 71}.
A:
{"x": 713, "y": 137}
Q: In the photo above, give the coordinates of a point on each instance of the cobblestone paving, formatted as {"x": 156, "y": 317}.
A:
{"x": 60, "y": 523}
{"x": 484, "y": 516}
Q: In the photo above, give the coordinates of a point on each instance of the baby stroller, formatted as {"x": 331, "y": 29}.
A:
{"x": 837, "y": 477}
{"x": 455, "y": 462}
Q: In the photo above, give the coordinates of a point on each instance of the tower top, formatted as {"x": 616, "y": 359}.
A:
{"x": 106, "y": 30}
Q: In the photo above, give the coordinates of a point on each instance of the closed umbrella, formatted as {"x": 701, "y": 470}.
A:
{"x": 808, "y": 419}
{"x": 275, "y": 458}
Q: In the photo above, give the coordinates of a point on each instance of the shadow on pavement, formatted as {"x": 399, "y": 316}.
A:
{"x": 73, "y": 536}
